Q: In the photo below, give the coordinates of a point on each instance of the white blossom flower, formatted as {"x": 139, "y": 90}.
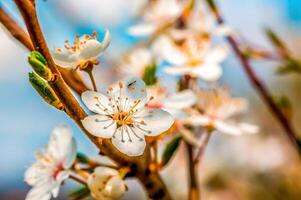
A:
{"x": 193, "y": 56}
{"x": 52, "y": 167}
{"x": 83, "y": 49}
{"x": 216, "y": 108}
{"x": 174, "y": 103}
{"x": 122, "y": 116}
{"x": 136, "y": 62}
{"x": 106, "y": 184}
{"x": 158, "y": 14}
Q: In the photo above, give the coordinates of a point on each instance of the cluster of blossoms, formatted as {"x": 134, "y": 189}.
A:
{"x": 140, "y": 106}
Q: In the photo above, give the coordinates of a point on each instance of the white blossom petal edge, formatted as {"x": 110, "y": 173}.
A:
{"x": 123, "y": 117}
{"x": 52, "y": 167}
{"x": 106, "y": 184}
{"x": 83, "y": 49}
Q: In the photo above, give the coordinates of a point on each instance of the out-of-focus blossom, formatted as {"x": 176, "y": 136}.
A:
{"x": 199, "y": 21}
{"x": 83, "y": 50}
{"x": 215, "y": 110}
{"x": 136, "y": 62}
{"x": 174, "y": 103}
{"x": 123, "y": 117}
{"x": 192, "y": 56}
{"x": 106, "y": 184}
{"x": 158, "y": 14}
{"x": 52, "y": 167}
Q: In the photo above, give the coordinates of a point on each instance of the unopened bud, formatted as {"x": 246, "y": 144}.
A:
{"x": 45, "y": 91}
{"x": 40, "y": 66}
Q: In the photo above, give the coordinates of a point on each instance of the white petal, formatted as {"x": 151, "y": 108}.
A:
{"x": 180, "y": 100}
{"x": 41, "y": 191}
{"x": 129, "y": 141}
{"x": 198, "y": 120}
{"x": 105, "y": 172}
{"x": 98, "y": 179}
{"x": 65, "y": 58}
{"x": 142, "y": 29}
{"x": 248, "y": 128}
{"x": 62, "y": 145}
{"x": 153, "y": 121}
{"x": 106, "y": 39}
{"x": 115, "y": 188}
{"x": 218, "y": 54}
{"x": 91, "y": 49}
{"x": 227, "y": 128}
{"x": 165, "y": 48}
{"x": 34, "y": 173}
{"x": 233, "y": 107}
{"x": 100, "y": 125}
{"x": 208, "y": 72}
{"x": 96, "y": 102}
{"x": 134, "y": 89}
{"x": 177, "y": 70}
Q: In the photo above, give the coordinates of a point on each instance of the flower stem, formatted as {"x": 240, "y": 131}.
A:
{"x": 92, "y": 79}
{"x": 77, "y": 179}
{"x": 201, "y": 150}
{"x": 194, "y": 192}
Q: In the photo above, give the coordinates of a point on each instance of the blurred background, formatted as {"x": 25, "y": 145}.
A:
{"x": 248, "y": 167}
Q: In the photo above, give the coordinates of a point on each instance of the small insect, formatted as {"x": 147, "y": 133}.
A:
{"x": 132, "y": 85}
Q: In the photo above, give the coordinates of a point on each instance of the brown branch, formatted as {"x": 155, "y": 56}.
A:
{"x": 138, "y": 165}
{"x": 18, "y": 33}
{"x": 15, "y": 30}
{"x": 256, "y": 82}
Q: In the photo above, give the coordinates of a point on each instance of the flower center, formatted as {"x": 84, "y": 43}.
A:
{"x": 122, "y": 118}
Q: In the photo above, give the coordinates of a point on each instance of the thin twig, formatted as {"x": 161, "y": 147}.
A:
{"x": 257, "y": 83}
{"x": 15, "y": 30}
{"x": 77, "y": 179}
{"x": 194, "y": 192}
{"x": 201, "y": 150}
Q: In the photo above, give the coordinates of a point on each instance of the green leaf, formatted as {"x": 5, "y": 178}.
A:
{"x": 170, "y": 150}
{"x": 149, "y": 75}
{"x": 285, "y": 105}
{"x": 44, "y": 90}
{"x": 80, "y": 192}
{"x": 82, "y": 157}
{"x": 290, "y": 66}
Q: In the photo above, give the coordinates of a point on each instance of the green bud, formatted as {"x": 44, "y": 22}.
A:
{"x": 45, "y": 91}
{"x": 149, "y": 75}
{"x": 39, "y": 65}
{"x": 38, "y": 56}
